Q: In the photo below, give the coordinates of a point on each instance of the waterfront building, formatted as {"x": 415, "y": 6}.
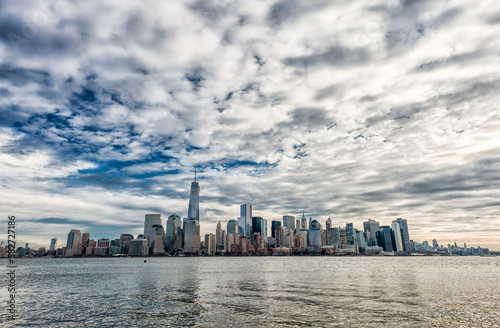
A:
{"x": 333, "y": 237}
{"x": 74, "y": 243}
{"x": 315, "y": 235}
{"x": 305, "y": 235}
{"x": 343, "y": 237}
{"x": 192, "y": 237}
{"x": 257, "y": 224}
{"x": 246, "y": 219}
{"x": 85, "y": 238}
{"x": 385, "y": 238}
{"x": 435, "y": 244}
{"x": 360, "y": 240}
{"x": 151, "y": 220}
{"x": 232, "y": 227}
{"x": 209, "y": 244}
{"x": 125, "y": 239}
{"x": 274, "y": 225}
{"x": 53, "y": 244}
{"x": 156, "y": 240}
{"x": 288, "y": 237}
{"x": 279, "y": 236}
{"x": 289, "y": 221}
{"x": 218, "y": 234}
{"x": 114, "y": 247}
{"x": 103, "y": 242}
{"x": 405, "y": 236}
{"x": 229, "y": 242}
{"x": 299, "y": 241}
{"x": 174, "y": 232}
{"x": 138, "y": 247}
{"x": 397, "y": 239}
{"x": 371, "y": 227}
{"x": 323, "y": 237}
{"x": 351, "y": 238}
{"x": 263, "y": 229}
{"x": 89, "y": 249}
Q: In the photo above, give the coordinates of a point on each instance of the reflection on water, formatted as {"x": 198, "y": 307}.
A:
{"x": 259, "y": 291}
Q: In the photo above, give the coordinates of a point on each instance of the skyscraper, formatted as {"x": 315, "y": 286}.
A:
{"x": 289, "y": 221}
{"x": 397, "y": 241}
{"x": 314, "y": 234}
{"x": 258, "y": 225}
{"x": 405, "y": 236}
{"x": 194, "y": 200}
{"x": 85, "y": 238}
{"x": 151, "y": 220}
{"x": 350, "y": 234}
{"x": 192, "y": 238}
{"x": 232, "y": 227}
{"x": 73, "y": 245}
{"x": 53, "y": 244}
{"x": 371, "y": 227}
{"x": 245, "y": 220}
{"x": 218, "y": 235}
{"x": 385, "y": 238}
{"x": 274, "y": 225}
{"x": 174, "y": 230}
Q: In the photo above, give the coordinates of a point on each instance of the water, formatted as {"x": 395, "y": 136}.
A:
{"x": 258, "y": 291}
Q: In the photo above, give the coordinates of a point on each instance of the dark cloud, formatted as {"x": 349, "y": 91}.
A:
{"x": 334, "y": 56}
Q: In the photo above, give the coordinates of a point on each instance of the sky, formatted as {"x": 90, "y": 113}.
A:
{"x": 343, "y": 109}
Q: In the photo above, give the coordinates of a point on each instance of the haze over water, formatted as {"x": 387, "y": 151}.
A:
{"x": 259, "y": 291}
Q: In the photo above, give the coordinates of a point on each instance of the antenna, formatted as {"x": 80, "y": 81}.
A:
{"x": 195, "y": 174}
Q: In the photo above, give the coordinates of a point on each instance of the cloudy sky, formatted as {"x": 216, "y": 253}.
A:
{"x": 343, "y": 109}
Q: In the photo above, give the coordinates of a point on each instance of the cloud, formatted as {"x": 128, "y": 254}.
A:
{"x": 347, "y": 110}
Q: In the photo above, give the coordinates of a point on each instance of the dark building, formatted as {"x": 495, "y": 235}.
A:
{"x": 385, "y": 238}
{"x": 274, "y": 225}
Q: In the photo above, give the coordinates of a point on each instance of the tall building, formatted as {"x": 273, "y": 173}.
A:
{"x": 192, "y": 238}
{"x": 85, "y": 238}
{"x": 259, "y": 225}
{"x": 371, "y": 227}
{"x": 405, "y": 236}
{"x": 328, "y": 223}
{"x": 289, "y": 221}
{"x": 138, "y": 247}
{"x": 174, "y": 231}
{"x": 350, "y": 234}
{"x": 218, "y": 234}
{"x": 435, "y": 244}
{"x": 210, "y": 244}
{"x": 397, "y": 241}
{"x": 74, "y": 243}
{"x": 53, "y": 244}
{"x": 274, "y": 225}
{"x": 333, "y": 237}
{"x": 125, "y": 239}
{"x": 314, "y": 235}
{"x": 151, "y": 220}
{"x": 232, "y": 227}
{"x": 263, "y": 232}
{"x": 194, "y": 200}
{"x": 246, "y": 219}
{"x": 385, "y": 238}
{"x": 303, "y": 224}
{"x": 156, "y": 239}
{"x": 360, "y": 240}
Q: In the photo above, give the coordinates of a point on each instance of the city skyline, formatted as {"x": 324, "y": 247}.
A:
{"x": 351, "y": 111}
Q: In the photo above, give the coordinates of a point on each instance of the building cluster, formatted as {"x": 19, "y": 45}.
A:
{"x": 249, "y": 235}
